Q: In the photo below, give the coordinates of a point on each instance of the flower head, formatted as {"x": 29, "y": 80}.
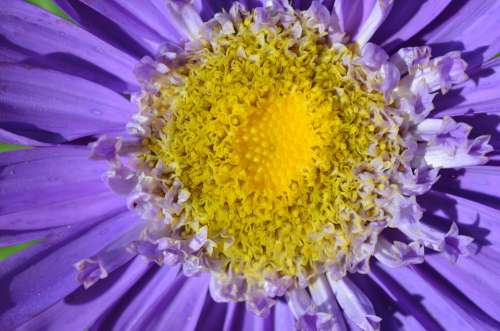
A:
{"x": 265, "y": 153}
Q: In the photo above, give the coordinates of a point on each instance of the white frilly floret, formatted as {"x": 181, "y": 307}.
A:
{"x": 355, "y": 304}
{"x": 448, "y": 145}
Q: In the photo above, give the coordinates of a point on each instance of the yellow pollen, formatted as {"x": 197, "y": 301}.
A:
{"x": 266, "y": 132}
{"x": 275, "y": 144}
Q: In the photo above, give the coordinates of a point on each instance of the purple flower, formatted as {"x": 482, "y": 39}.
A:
{"x": 252, "y": 165}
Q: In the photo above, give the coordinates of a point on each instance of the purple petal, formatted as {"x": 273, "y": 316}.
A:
{"x": 41, "y": 275}
{"x": 37, "y": 178}
{"x": 252, "y": 322}
{"x": 355, "y": 304}
{"x": 398, "y": 254}
{"x": 102, "y": 27}
{"x": 409, "y": 59}
{"x": 477, "y": 95}
{"x": 11, "y": 138}
{"x": 167, "y": 300}
{"x": 443, "y": 72}
{"x": 438, "y": 298}
{"x": 234, "y": 316}
{"x": 406, "y": 19}
{"x": 145, "y": 21}
{"x": 466, "y": 25}
{"x": 283, "y": 318}
{"x": 83, "y": 307}
{"x": 373, "y": 56}
{"x": 361, "y": 18}
{"x": 479, "y": 183}
{"x": 114, "y": 255}
{"x": 455, "y": 245}
{"x": 64, "y": 105}
{"x": 40, "y": 32}
{"x": 398, "y": 308}
{"x": 120, "y": 179}
{"x": 475, "y": 276}
{"x": 475, "y": 219}
{"x": 130, "y": 313}
{"x": 331, "y": 316}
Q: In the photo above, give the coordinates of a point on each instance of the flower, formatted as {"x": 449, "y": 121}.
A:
{"x": 318, "y": 165}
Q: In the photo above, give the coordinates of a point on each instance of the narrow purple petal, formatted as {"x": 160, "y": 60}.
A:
{"x": 477, "y": 95}
{"x": 478, "y": 183}
{"x": 360, "y": 19}
{"x": 475, "y": 276}
{"x": 11, "y": 138}
{"x": 398, "y": 309}
{"x": 67, "y": 106}
{"x": 406, "y": 19}
{"x": 128, "y": 312}
{"x": 143, "y": 20}
{"x": 38, "y": 31}
{"x": 235, "y": 315}
{"x": 36, "y": 178}
{"x": 465, "y": 25}
{"x": 436, "y": 302}
{"x": 283, "y": 318}
{"x": 41, "y": 275}
{"x": 100, "y": 265}
{"x": 83, "y": 307}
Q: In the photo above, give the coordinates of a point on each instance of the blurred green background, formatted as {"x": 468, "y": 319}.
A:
{"x": 7, "y": 251}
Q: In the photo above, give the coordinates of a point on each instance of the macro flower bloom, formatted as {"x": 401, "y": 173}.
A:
{"x": 251, "y": 165}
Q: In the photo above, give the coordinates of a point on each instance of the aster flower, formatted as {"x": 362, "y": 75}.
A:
{"x": 252, "y": 165}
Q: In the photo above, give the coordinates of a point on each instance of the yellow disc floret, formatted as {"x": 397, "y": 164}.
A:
{"x": 266, "y": 132}
{"x": 274, "y": 144}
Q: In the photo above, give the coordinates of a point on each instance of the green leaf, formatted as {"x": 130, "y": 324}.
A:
{"x": 50, "y": 6}
{"x": 10, "y": 147}
{"x": 5, "y": 252}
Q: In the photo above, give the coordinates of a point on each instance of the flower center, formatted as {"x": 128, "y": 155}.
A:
{"x": 275, "y": 144}
{"x": 269, "y": 131}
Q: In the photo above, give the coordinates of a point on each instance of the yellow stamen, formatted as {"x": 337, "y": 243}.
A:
{"x": 266, "y": 135}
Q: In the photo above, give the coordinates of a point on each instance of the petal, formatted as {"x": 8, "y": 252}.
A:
{"x": 283, "y": 318}
{"x": 439, "y": 302}
{"x": 474, "y": 219}
{"x": 37, "y": 178}
{"x": 165, "y": 299}
{"x": 127, "y": 313}
{"x": 326, "y": 304}
{"x": 399, "y": 310}
{"x": 477, "y": 95}
{"x": 11, "y": 138}
{"x": 234, "y": 316}
{"x": 145, "y": 21}
{"x": 83, "y": 307}
{"x": 361, "y": 18}
{"x": 66, "y": 106}
{"x": 465, "y": 25}
{"x": 355, "y": 304}
{"x": 406, "y": 19}
{"x": 99, "y": 266}
{"x": 477, "y": 183}
{"x": 476, "y": 277}
{"x": 43, "y": 274}
{"x": 37, "y": 31}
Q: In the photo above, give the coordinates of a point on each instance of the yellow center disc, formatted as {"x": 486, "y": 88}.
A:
{"x": 266, "y": 133}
